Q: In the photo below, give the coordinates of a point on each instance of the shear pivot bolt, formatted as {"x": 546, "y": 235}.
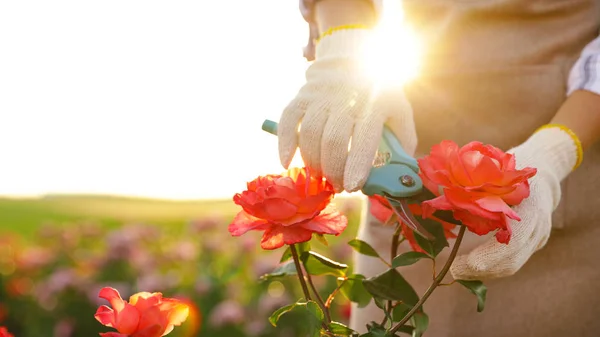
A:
{"x": 407, "y": 180}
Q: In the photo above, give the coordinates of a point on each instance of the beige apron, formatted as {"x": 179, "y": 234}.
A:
{"x": 496, "y": 70}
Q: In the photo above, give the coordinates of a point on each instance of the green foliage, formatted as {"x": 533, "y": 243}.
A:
{"x": 408, "y": 258}
{"x": 390, "y": 285}
{"x": 434, "y": 247}
{"x": 354, "y": 290}
{"x": 317, "y": 264}
{"x": 363, "y": 248}
{"x": 478, "y": 289}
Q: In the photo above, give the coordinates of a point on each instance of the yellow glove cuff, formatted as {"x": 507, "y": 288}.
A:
{"x": 573, "y": 137}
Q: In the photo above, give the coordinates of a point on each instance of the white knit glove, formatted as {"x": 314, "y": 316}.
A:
{"x": 554, "y": 153}
{"x": 339, "y": 104}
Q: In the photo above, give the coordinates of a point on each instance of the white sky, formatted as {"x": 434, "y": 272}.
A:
{"x": 149, "y": 98}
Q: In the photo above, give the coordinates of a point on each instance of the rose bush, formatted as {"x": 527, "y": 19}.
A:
{"x": 478, "y": 183}
{"x": 289, "y": 208}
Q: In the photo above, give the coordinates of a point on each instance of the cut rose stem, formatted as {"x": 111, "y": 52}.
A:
{"x": 435, "y": 283}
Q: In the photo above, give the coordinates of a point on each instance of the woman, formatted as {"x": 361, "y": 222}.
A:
{"x": 523, "y": 75}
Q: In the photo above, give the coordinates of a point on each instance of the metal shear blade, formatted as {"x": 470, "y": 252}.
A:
{"x": 402, "y": 211}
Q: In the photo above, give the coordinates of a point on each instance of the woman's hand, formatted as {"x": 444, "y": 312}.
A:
{"x": 340, "y": 114}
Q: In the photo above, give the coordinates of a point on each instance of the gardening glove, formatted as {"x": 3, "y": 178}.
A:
{"x": 554, "y": 151}
{"x": 339, "y": 103}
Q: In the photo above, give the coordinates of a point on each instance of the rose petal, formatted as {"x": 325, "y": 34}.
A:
{"x": 112, "y": 334}
{"x": 497, "y": 205}
{"x": 518, "y": 194}
{"x": 178, "y": 313}
{"x": 504, "y": 235}
{"x": 479, "y": 225}
{"x": 486, "y": 169}
{"x": 144, "y": 300}
{"x": 106, "y": 316}
{"x": 113, "y": 297}
{"x": 127, "y": 320}
{"x": 152, "y": 318}
{"x": 440, "y": 203}
{"x": 461, "y": 200}
{"x": 380, "y": 208}
{"x": 327, "y": 223}
{"x": 276, "y": 236}
{"x": 155, "y": 330}
{"x": 244, "y": 222}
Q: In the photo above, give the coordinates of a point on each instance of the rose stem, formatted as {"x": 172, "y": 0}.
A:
{"x": 435, "y": 283}
{"x": 393, "y": 252}
{"x": 301, "y": 278}
{"x": 319, "y": 299}
{"x": 300, "y": 273}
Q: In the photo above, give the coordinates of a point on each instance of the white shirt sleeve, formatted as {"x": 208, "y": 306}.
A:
{"x": 585, "y": 74}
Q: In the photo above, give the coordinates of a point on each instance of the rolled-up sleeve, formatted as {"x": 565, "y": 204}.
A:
{"x": 585, "y": 74}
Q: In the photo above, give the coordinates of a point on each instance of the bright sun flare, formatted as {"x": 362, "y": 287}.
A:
{"x": 392, "y": 57}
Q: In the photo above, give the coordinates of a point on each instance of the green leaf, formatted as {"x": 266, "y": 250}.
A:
{"x": 390, "y": 285}
{"x": 300, "y": 247}
{"x": 286, "y": 269}
{"x": 433, "y": 248}
{"x": 376, "y": 330}
{"x": 400, "y": 311}
{"x": 477, "y": 288}
{"x": 363, "y": 248}
{"x": 303, "y": 247}
{"x": 354, "y": 290}
{"x": 339, "y": 329}
{"x": 287, "y": 254}
{"x": 317, "y": 264}
{"x": 321, "y": 238}
{"x": 311, "y": 308}
{"x": 421, "y": 323}
{"x": 408, "y": 258}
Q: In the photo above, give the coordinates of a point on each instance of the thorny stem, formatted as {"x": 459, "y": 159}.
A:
{"x": 300, "y": 273}
{"x": 435, "y": 283}
{"x": 319, "y": 299}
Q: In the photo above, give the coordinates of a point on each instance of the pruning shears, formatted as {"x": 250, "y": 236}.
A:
{"x": 394, "y": 176}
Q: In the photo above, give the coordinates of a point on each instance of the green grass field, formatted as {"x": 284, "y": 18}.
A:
{"x": 25, "y": 216}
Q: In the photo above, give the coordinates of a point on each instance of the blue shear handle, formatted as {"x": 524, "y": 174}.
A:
{"x": 398, "y": 155}
{"x": 270, "y": 127}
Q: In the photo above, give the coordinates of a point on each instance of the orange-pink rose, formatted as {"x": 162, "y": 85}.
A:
{"x": 145, "y": 315}
{"x": 289, "y": 208}
{"x": 478, "y": 183}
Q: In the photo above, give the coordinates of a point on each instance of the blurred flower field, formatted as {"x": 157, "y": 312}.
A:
{"x": 53, "y": 265}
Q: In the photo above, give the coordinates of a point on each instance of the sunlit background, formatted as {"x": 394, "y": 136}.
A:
{"x": 161, "y": 99}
